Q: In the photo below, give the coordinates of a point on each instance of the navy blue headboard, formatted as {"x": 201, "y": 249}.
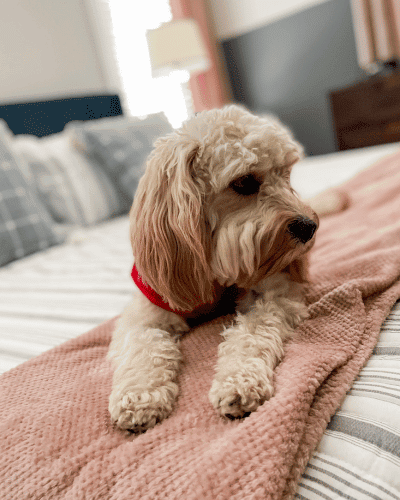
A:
{"x": 49, "y": 117}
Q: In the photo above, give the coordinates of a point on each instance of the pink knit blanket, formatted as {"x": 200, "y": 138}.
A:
{"x": 56, "y": 439}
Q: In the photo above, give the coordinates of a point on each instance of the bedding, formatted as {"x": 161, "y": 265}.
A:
{"x": 72, "y": 188}
{"x": 120, "y": 146}
{"x": 25, "y": 225}
{"x": 54, "y": 295}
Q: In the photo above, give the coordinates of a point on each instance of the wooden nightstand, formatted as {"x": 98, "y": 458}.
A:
{"x": 367, "y": 113}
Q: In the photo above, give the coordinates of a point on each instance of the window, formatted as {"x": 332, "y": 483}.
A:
{"x": 143, "y": 94}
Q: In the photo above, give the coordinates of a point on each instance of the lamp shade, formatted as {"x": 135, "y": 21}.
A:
{"x": 177, "y": 45}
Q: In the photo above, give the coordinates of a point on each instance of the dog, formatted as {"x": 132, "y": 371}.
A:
{"x": 214, "y": 221}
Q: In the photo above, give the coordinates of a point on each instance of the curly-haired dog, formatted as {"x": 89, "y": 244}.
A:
{"x": 214, "y": 219}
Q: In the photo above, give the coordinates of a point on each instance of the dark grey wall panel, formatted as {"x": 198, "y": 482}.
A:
{"x": 288, "y": 67}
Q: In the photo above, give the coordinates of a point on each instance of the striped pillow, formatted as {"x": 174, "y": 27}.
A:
{"x": 73, "y": 189}
{"x": 25, "y": 226}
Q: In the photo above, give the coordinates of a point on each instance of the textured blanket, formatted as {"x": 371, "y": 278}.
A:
{"x": 56, "y": 439}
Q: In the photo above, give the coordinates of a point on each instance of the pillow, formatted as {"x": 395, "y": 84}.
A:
{"x": 73, "y": 190}
{"x": 120, "y": 145}
{"x": 25, "y": 226}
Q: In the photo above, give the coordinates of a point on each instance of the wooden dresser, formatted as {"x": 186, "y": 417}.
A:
{"x": 367, "y": 113}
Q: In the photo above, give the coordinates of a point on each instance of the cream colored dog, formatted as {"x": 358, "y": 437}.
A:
{"x": 214, "y": 220}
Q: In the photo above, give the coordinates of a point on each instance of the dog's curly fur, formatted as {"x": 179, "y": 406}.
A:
{"x": 214, "y": 205}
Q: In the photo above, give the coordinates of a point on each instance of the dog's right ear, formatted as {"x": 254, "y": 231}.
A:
{"x": 169, "y": 239}
{"x": 298, "y": 269}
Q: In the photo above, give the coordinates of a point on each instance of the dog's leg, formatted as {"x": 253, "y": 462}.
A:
{"x": 251, "y": 349}
{"x": 145, "y": 354}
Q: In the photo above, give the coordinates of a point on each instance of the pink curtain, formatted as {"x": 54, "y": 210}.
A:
{"x": 377, "y": 31}
{"x": 211, "y": 88}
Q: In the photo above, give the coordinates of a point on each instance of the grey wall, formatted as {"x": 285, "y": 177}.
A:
{"x": 288, "y": 68}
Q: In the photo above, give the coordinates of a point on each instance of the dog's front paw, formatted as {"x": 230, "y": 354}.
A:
{"x": 242, "y": 390}
{"x": 139, "y": 410}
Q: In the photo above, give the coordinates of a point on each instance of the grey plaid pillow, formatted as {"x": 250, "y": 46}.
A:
{"x": 120, "y": 146}
{"x": 25, "y": 226}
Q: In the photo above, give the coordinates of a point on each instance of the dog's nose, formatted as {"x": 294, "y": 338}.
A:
{"x": 302, "y": 229}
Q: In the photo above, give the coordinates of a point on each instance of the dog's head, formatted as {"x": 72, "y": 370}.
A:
{"x": 215, "y": 204}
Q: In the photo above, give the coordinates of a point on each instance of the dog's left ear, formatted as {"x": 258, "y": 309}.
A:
{"x": 170, "y": 241}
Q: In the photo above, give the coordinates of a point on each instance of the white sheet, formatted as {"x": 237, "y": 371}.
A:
{"x": 317, "y": 173}
{"x": 358, "y": 457}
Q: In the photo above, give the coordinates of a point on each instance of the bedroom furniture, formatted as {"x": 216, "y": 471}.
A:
{"x": 53, "y": 295}
{"x": 177, "y": 45}
{"x": 56, "y": 294}
{"x": 368, "y": 112}
{"x": 42, "y": 118}
{"x": 209, "y": 89}
{"x": 59, "y": 400}
{"x": 86, "y": 174}
{"x": 25, "y": 225}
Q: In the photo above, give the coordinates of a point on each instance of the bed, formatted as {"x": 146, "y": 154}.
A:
{"x": 77, "y": 277}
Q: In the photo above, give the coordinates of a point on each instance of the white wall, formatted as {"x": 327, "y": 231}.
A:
{"x": 235, "y": 17}
{"x": 50, "y": 48}
{"x": 60, "y": 48}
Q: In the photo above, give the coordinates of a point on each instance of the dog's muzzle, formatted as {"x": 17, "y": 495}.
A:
{"x": 302, "y": 229}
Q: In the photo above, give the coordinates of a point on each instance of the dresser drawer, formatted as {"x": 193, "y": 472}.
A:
{"x": 367, "y": 113}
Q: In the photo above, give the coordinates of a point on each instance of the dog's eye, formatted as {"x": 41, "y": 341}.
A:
{"x": 246, "y": 185}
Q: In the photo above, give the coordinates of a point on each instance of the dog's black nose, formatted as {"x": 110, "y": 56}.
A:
{"x": 302, "y": 229}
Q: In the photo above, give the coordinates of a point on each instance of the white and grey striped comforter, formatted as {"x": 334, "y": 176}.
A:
{"x": 55, "y": 295}
{"x": 359, "y": 455}
{"x": 50, "y": 297}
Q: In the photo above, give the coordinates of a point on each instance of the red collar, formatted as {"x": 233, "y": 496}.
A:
{"x": 222, "y": 297}
{"x": 152, "y": 295}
